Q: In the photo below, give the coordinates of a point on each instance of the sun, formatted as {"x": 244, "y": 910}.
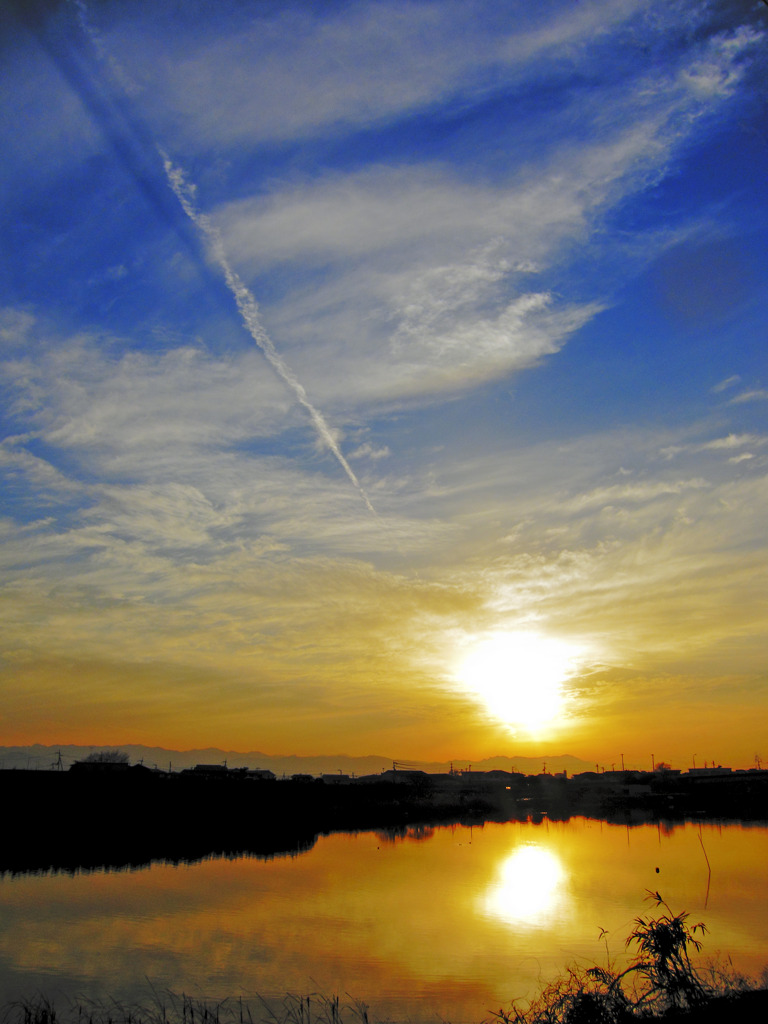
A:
{"x": 530, "y": 889}
{"x": 519, "y": 677}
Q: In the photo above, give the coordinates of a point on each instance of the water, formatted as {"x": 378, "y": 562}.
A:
{"x": 448, "y": 924}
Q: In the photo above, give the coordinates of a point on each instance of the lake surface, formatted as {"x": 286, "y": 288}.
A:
{"x": 444, "y": 924}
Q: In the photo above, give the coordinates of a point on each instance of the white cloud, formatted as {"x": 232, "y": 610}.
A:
{"x": 17, "y": 462}
{"x": 418, "y": 282}
{"x": 566, "y": 547}
{"x": 633, "y": 494}
{"x": 368, "y": 451}
{"x": 734, "y": 441}
{"x": 418, "y": 285}
{"x": 113, "y": 406}
{"x": 752, "y": 395}
{"x": 15, "y": 326}
{"x": 425, "y": 281}
{"x": 717, "y": 72}
{"x": 427, "y": 212}
{"x": 724, "y": 385}
{"x": 206, "y": 552}
{"x": 728, "y": 443}
{"x": 230, "y": 80}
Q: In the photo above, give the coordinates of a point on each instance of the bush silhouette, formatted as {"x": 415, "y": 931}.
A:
{"x": 660, "y": 979}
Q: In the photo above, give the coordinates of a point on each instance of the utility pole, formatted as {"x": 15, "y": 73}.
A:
{"x": 622, "y": 762}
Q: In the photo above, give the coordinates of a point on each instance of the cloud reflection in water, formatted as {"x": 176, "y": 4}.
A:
{"x": 530, "y": 889}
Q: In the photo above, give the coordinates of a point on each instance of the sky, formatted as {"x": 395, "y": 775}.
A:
{"x": 385, "y": 377}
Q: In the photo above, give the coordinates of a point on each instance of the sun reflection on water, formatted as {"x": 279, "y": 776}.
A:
{"x": 530, "y": 888}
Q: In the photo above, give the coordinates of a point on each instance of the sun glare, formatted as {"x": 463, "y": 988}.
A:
{"x": 530, "y": 888}
{"x": 518, "y": 677}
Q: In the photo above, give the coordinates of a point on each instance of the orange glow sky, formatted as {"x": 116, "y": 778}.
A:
{"x": 373, "y": 371}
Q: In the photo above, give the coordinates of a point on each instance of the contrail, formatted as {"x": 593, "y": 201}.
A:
{"x": 249, "y": 311}
{"x": 185, "y": 193}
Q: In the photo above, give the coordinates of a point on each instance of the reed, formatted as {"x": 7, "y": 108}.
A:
{"x": 661, "y": 981}
{"x": 167, "y": 1007}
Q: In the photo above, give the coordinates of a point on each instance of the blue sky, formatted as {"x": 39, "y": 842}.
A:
{"x": 508, "y": 265}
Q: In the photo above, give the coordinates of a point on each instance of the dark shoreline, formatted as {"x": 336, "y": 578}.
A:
{"x": 67, "y": 821}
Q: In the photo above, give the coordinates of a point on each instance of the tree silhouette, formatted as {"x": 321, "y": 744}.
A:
{"x": 107, "y": 757}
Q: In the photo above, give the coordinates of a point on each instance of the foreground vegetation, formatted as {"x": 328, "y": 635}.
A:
{"x": 660, "y": 983}
{"x": 169, "y": 1008}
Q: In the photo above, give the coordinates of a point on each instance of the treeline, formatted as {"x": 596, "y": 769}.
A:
{"x": 73, "y": 821}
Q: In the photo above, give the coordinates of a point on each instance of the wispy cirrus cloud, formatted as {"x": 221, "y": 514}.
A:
{"x": 751, "y": 395}
{"x": 729, "y": 443}
{"x": 724, "y": 385}
{"x": 205, "y": 553}
{"x": 426, "y": 200}
{"x": 444, "y": 274}
{"x": 361, "y": 64}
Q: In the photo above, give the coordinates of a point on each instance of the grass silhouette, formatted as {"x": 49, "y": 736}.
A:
{"x": 661, "y": 981}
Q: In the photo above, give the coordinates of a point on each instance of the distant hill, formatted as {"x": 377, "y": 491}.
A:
{"x": 46, "y": 757}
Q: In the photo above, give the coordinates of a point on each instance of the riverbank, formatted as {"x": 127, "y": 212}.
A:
{"x": 138, "y": 816}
